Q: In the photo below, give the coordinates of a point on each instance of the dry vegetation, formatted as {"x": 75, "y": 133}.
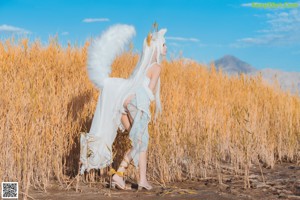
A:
{"x": 211, "y": 124}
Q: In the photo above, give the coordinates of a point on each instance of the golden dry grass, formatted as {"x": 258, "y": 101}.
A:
{"x": 211, "y": 123}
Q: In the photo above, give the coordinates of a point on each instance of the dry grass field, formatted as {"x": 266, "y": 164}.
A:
{"x": 212, "y": 126}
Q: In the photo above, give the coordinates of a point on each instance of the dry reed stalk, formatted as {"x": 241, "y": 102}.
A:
{"x": 209, "y": 119}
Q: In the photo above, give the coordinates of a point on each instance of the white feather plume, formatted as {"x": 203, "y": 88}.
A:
{"x": 104, "y": 49}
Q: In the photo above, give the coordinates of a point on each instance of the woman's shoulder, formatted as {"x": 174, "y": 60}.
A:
{"x": 156, "y": 67}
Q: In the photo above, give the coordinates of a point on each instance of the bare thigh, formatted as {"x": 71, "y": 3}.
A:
{"x": 127, "y": 101}
{"x": 127, "y": 119}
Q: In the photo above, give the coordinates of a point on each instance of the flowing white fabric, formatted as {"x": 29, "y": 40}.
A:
{"x": 96, "y": 146}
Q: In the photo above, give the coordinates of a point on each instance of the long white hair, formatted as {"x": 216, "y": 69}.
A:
{"x": 137, "y": 77}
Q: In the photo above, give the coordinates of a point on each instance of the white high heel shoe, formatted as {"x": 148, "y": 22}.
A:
{"x": 147, "y": 187}
{"x": 115, "y": 184}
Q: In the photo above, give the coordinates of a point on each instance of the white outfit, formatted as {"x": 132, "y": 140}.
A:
{"x": 96, "y": 146}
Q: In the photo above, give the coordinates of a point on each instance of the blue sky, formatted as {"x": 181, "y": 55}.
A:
{"x": 201, "y": 30}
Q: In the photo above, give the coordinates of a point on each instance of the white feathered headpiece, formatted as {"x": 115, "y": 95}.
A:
{"x": 156, "y": 39}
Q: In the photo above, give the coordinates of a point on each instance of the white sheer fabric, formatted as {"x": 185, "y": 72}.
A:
{"x": 96, "y": 145}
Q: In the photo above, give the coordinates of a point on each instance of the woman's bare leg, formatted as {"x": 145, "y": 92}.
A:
{"x": 143, "y": 169}
{"x": 127, "y": 122}
{"x": 126, "y": 119}
{"x": 123, "y": 165}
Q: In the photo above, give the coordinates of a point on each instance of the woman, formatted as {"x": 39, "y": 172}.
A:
{"x": 124, "y": 103}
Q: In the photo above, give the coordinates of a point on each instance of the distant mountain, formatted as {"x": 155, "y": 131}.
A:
{"x": 233, "y": 66}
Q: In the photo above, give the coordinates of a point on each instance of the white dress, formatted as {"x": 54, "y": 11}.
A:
{"x": 139, "y": 108}
{"x": 96, "y": 146}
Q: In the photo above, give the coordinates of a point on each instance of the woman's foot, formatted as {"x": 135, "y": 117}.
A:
{"x": 144, "y": 185}
{"x": 118, "y": 181}
{"x": 118, "y": 176}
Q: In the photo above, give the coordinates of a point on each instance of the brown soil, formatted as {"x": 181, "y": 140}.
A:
{"x": 281, "y": 182}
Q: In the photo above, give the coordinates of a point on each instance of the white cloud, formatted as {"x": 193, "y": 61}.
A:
{"x": 12, "y": 29}
{"x": 183, "y": 39}
{"x": 173, "y": 44}
{"x": 283, "y": 28}
{"x": 65, "y": 33}
{"x": 90, "y": 20}
{"x": 265, "y": 39}
{"x": 246, "y": 4}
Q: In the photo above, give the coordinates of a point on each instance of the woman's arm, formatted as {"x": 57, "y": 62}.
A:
{"x": 154, "y": 77}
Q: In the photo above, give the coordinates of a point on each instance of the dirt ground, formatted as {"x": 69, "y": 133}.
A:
{"x": 281, "y": 182}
